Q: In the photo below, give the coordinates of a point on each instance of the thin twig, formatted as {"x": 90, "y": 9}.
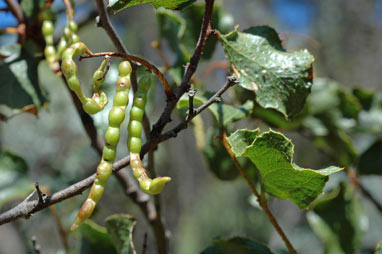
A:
{"x": 152, "y": 68}
{"x": 39, "y": 193}
{"x": 261, "y": 199}
{"x": 17, "y": 11}
{"x": 28, "y": 207}
{"x": 131, "y": 231}
{"x": 190, "y": 69}
{"x": 191, "y": 95}
{"x": 158, "y": 46}
{"x": 69, "y": 9}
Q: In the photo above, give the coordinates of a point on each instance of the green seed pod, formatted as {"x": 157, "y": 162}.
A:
{"x": 116, "y": 116}
{"x": 69, "y": 68}
{"x": 73, "y": 27}
{"x": 148, "y": 185}
{"x": 112, "y": 136}
{"x": 47, "y": 30}
{"x": 47, "y": 27}
{"x": 109, "y": 153}
{"x": 104, "y": 169}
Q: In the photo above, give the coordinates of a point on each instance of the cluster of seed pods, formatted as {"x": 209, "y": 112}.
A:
{"x": 104, "y": 169}
{"x": 69, "y": 37}
{"x": 116, "y": 117}
{"x": 47, "y": 29}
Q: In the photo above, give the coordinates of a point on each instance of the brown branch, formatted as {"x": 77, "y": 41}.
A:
{"x": 140, "y": 198}
{"x": 261, "y": 199}
{"x": 152, "y": 68}
{"x": 17, "y": 11}
{"x": 190, "y": 69}
{"x": 28, "y": 207}
{"x": 69, "y": 9}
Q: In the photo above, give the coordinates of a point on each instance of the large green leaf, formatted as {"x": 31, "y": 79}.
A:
{"x": 19, "y": 78}
{"x": 119, "y": 5}
{"x": 95, "y": 239}
{"x": 120, "y": 228}
{"x": 337, "y": 220}
{"x": 237, "y": 245}
{"x": 272, "y": 153}
{"x": 14, "y": 182}
{"x": 222, "y": 112}
{"x": 280, "y": 79}
{"x": 370, "y": 161}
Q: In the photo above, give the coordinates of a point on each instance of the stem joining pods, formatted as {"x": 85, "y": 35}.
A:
{"x": 104, "y": 169}
{"x": 69, "y": 68}
{"x": 148, "y": 185}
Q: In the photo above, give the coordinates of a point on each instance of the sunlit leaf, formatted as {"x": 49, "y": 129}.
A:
{"x": 272, "y": 153}
{"x": 280, "y": 79}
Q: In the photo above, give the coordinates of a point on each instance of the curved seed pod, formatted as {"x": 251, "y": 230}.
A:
{"x": 148, "y": 185}
{"x": 47, "y": 30}
{"x": 69, "y": 68}
{"x": 104, "y": 169}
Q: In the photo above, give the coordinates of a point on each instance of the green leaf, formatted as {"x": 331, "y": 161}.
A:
{"x": 336, "y": 219}
{"x": 272, "y": 153}
{"x": 370, "y": 161}
{"x": 223, "y": 113}
{"x": 281, "y": 80}
{"x": 237, "y": 245}
{"x": 14, "y": 182}
{"x": 119, "y": 5}
{"x": 95, "y": 239}
{"x": 19, "y": 78}
{"x": 120, "y": 228}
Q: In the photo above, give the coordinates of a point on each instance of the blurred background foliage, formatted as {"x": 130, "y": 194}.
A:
{"x": 340, "y": 125}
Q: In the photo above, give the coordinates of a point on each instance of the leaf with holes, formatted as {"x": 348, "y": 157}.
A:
{"x": 280, "y": 79}
{"x": 272, "y": 153}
